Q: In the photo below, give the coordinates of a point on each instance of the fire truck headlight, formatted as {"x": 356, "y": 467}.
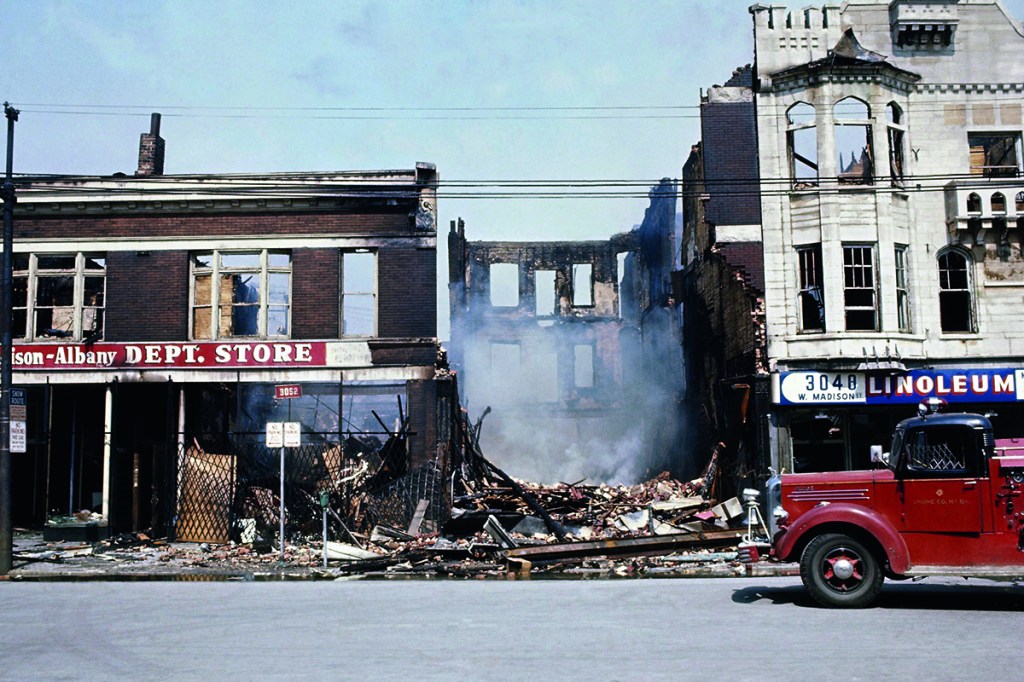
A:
{"x": 750, "y": 496}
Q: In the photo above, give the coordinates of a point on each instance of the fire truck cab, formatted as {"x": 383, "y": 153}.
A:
{"x": 945, "y": 500}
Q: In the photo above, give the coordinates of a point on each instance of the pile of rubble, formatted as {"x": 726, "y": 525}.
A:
{"x": 660, "y": 527}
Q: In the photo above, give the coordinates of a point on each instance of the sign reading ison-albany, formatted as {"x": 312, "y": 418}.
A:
{"x": 954, "y": 385}
{"x": 207, "y": 355}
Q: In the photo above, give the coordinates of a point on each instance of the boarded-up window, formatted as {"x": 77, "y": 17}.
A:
{"x": 994, "y": 155}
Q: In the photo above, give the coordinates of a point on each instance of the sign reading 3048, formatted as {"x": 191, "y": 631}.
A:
{"x": 822, "y": 387}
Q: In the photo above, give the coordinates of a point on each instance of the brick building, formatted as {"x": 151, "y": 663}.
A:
{"x": 888, "y": 138}
{"x": 721, "y": 283}
{"x": 155, "y": 314}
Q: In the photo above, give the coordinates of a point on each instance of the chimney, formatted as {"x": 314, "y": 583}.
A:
{"x": 151, "y": 149}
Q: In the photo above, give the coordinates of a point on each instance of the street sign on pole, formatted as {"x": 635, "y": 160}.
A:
{"x": 19, "y": 420}
{"x": 275, "y": 435}
{"x": 292, "y": 434}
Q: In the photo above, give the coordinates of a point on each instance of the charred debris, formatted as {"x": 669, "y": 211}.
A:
{"x": 494, "y": 525}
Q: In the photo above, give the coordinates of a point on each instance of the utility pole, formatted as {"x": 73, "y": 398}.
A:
{"x": 6, "y": 302}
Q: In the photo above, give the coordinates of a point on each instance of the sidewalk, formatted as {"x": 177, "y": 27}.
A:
{"x": 146, "y": 559}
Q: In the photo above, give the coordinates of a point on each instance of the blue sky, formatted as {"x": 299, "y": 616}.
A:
{"x": 282, "y": 64}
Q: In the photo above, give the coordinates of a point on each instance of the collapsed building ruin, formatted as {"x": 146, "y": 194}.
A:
{"x": 574, "y": 347}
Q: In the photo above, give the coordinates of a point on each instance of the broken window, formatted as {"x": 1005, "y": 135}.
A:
{"x": 359, "y": 293}
{"x": 504, "y": 284}
{"x": 802, "y": 144}
{"x": 902, "y": 290}
{"x": 812, "y": 298}
{"x": 896, "y": 133}
{"x": 860, "y": 294}
{"x": 854, "y": 156}
{"x": 240, "y": 294}
{"x": 994, "y": 155}
{"x": 620, "y": 273}
{"x": 58, "y": 296}
{"x": 545, "y": 300}
{"x": 956, "y": 305}
{"x": 583, "y": 365}
{"x": 582, "y": 284}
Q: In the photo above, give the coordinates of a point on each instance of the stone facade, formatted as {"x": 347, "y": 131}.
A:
{"x": 889, "y": 141}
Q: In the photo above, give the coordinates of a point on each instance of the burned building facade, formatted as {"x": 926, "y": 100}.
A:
{"x": 161, "y": 321}
{"x": 721, "y": 285}
{"x": 573, "y": 346}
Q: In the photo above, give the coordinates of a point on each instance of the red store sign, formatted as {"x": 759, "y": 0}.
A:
{"x": 169, "y": 355}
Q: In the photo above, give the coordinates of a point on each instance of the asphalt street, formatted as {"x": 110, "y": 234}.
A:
{"x": 736, "y": 629}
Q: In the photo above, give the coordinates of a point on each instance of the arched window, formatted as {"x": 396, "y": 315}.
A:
{"x": 973, "y": 203}
{"x": 998, "y": 203}
{"x": 896, "y": 132}
{"x": 956, "y": 291}
{"x": 854, "y": 156}
{"x": 802, "y": 144}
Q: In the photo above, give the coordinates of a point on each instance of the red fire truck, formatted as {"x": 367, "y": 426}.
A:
{"x": 946, "y": 500}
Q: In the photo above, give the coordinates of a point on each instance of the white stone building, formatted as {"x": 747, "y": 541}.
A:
{"x": 892, "y": 201}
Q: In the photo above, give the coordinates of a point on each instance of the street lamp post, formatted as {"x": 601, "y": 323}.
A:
{"x": 6, "y": 302}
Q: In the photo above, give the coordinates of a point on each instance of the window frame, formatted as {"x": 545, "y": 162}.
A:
{"x": 217, "y": 271}
{"x": 810, "y": 279}
{"x": 896, "y": 138}
{"x": 866, "y": 176}
{"x": 968, "y": 289}
{"x": 793, "y": 129}
{"x": 372, "y": 294}
{"x": 32, "y": 273}
{"x": 990, "y": 171}
{"x": 901, "y": 272}
{"x": 858, "y": 270}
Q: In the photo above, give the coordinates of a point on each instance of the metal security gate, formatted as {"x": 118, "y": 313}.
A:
{"x": 235, "y": 495}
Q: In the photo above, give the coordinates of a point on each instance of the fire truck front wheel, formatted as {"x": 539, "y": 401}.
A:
{"x": 839, "y": 571}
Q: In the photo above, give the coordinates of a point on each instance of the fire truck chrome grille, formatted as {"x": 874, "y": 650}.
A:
{"x": 829, "y": 495}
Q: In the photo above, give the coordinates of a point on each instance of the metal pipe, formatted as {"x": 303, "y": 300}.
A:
{"x": 6, "y": 322}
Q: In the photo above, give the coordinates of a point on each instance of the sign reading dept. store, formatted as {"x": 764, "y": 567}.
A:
{"x": 144, "y": 356}
{"x": 964, "y": 386}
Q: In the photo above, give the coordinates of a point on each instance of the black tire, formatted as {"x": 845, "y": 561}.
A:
{"x": 839, "y": 571}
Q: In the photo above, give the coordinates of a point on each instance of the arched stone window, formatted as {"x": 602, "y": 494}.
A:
{"x": 973, "y": 203}
{"x": 998, "y": 203}
{"x": 896, "y": 133}
{"x": 854, "y": 155}
{"x": 956, "y": 291}
{"x": 802, "y": 145}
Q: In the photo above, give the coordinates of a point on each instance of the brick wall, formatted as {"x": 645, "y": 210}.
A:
{"x": 407, "y": 303}
{"x": 147, "y": 296}
{"x": 316, "y": 293}
{"x": 729, "y": 139}
{"x": 211, "y": 224}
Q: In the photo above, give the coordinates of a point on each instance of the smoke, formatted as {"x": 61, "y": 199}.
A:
{"x": 547, "y": 424}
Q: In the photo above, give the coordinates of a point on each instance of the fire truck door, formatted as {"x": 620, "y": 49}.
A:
{"x": 940, "y": 480}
